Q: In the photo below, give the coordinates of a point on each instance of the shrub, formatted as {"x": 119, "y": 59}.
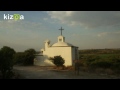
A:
{"x": 90, "y": 59}
{"x": 115, "y": 60}
{"x": 57, "y": 60}
{"x": 101, "y": 64}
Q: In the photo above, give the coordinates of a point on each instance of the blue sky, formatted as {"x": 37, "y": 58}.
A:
{"x": 85, "y": 29}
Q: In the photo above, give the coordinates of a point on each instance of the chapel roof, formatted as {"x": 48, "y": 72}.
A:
{"x": 58, "y": 44}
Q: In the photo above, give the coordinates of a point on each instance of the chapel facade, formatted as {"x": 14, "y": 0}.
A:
{"x": 66, "y": 50}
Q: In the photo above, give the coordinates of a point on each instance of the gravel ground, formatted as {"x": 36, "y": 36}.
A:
{"x": 38, "y": 72}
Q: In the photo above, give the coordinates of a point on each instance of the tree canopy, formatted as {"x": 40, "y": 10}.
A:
{"x": 25, "y": 58}
{"x": 6, "y": 60}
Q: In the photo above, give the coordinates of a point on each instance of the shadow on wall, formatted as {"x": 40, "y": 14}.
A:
{"x": 42, "y": 61}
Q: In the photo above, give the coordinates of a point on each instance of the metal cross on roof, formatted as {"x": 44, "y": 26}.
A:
{"x": 61, "y": 30}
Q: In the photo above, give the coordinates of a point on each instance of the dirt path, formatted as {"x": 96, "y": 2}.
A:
{"x": 37, "y": 72}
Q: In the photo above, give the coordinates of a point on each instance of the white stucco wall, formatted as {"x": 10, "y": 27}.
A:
{"x": 65, "y": 52}
{"x": 42, "y": 61}
{"x": 68, "y": 53}
{"x": 73, "y": 53}
{"x": 78, "y": 53}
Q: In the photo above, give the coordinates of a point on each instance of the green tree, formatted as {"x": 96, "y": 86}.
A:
{"x": 25, "y": 58}
{"x": 6, "y": 61}
{"x": 29, "y": 57}
{"x": 19, "y": 58}
{"x": 57, "y": 60}
{"x": 31, "y": 51}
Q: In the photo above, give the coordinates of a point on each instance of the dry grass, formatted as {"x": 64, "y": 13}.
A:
{"x": 109, "y": 71}
{"x": 69, "y": 68}
{"x": 99, "y": 70}
{"x": 64, "y": 68}
{"x": 85, "y": 69}
{"x": 58, "y": 68}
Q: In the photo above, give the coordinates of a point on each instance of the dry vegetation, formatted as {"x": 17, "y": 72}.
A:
{"x": 106, "y": 61}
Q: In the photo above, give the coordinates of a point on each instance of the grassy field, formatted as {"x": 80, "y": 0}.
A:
{"x": 105, "y": 60}
{"x": 105, "y": 56}
{"x": 102, "y": 56}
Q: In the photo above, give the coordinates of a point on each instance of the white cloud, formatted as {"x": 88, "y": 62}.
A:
{"x": 75, "y": 35}
{"x": 20, "y": 24}
{"x": 22, "y": 33}
{"x": 102, "y": 34}
{"x": 60, "y": 14}
{"x": 117, "y": 33}
{"x": 87, "y": 19}
{"x": 45, "y": 19}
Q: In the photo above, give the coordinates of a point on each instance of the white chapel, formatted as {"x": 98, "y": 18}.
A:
{"x": 66, "y": 50}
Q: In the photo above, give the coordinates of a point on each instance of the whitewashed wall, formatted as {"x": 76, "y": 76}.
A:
{"x": 68, "y": 53}
{"x": 65, "y": 52}
{"x": 42, "y": 61}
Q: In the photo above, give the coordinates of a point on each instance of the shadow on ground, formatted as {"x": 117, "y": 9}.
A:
{"x": 38, "y": 72}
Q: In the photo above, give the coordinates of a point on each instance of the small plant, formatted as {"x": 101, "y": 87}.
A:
{"x": 57, "y": 60}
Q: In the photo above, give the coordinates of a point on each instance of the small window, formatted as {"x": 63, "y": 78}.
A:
{"x": 60, "y": 39}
